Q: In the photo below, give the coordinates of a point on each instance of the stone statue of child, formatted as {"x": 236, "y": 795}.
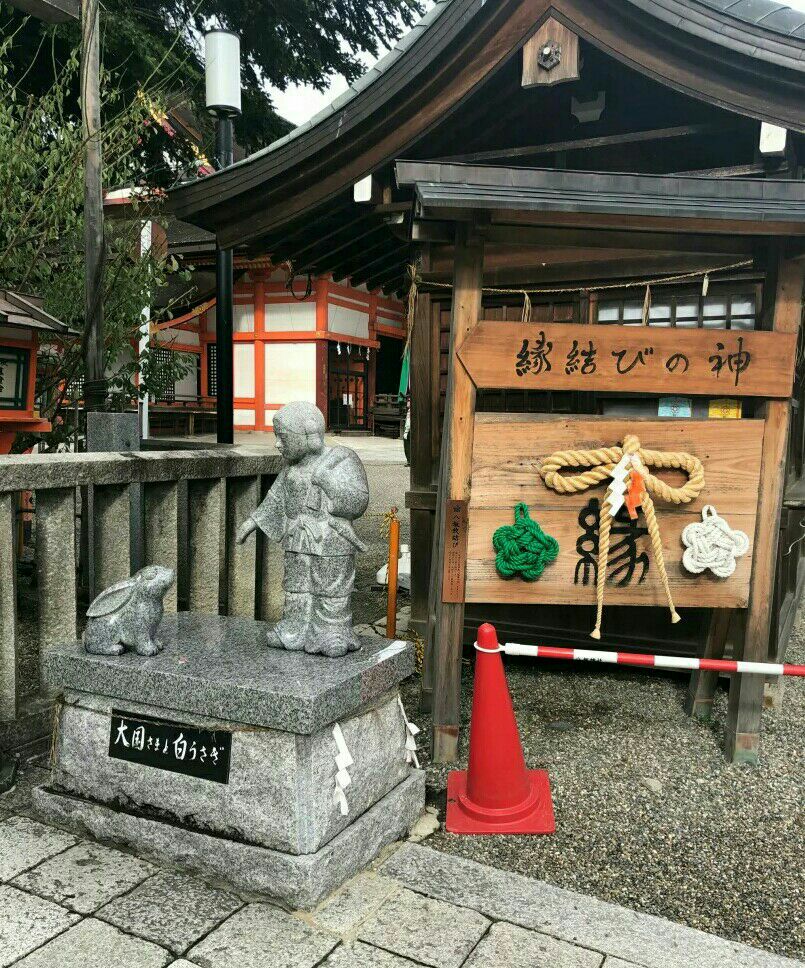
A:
{"x": 309, "y": 510}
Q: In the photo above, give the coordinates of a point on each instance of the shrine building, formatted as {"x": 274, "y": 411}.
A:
{"x": 311, "y": 338}
{"x": 22, "y": 320}
{"x": 595, "y": 213}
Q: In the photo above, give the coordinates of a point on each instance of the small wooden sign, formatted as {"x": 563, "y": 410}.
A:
{"x": 630, "y": 359}
{"x": 166, "y": 745}
{"x": 456, "y": 523}
{"x": 508, "y": 450}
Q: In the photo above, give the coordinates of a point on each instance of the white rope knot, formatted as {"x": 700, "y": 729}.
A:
{"x": 343, "y": 760}
{"x": 712, "y": 544}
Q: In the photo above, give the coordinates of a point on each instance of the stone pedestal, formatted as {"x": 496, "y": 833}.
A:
{"x": 226, "y": 762}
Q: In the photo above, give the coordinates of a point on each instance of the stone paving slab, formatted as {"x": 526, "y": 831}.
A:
{"x": 28, "y": 922}
{"x": 617, "y": 963}
{"x": 362, "y": 955}
{"x": 648, "y": 941}
{"x": 85, "y": 876}
{"x": 400, "y": 926}
{"x": 261, "y": 936}
{"x": 24, "y": 843}
{"x": 171, "y": 909}
{"x": 354, "y": 903}
{"x": 506, "y": 944}
{"x": 93, "y": 944}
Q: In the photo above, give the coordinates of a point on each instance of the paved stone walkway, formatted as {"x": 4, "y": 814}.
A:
{"x": 70, "y": 903}
{"x": 372, "y": 450}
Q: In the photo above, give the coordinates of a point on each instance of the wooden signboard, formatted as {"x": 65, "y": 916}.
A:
{"x": 630, "y": 359}
{"x": 507, "y": 453}
{"x": 455, "y": 551}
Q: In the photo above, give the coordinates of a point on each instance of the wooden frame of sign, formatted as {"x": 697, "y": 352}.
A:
{"x": 490, "y": 462}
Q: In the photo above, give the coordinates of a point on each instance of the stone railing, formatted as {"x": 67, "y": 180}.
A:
{"x": 97, "y": 517}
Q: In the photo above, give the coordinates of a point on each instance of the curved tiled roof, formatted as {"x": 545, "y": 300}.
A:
{"x": 776, "y": 18}
{"x": 722, "y": 38}
{"x": 781, "y": 18}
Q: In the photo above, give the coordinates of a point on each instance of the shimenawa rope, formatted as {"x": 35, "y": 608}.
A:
{"x": 603, "y": 463}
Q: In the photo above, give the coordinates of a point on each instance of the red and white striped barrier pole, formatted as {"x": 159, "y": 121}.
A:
{"x": 643, "y": 659}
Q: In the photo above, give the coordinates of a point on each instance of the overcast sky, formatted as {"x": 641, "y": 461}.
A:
{"x": 298, "y": 103}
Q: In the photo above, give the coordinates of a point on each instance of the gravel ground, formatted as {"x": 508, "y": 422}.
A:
{"x": 649, "y": 815}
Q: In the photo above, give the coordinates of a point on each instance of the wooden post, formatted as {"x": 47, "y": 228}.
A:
{"x": 94, "y": 244}
{"x": 446, "y": 632}
{"x": 702, "y": 687}
{"x": 391, "y": 576}
{"x": 421, "y": 432}
{"x": 742, "y": 740}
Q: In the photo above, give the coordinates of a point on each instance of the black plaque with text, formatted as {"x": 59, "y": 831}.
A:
{"x": 171, "y": 746}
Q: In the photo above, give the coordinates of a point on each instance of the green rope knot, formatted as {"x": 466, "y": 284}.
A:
{"x": 523, "y": 548}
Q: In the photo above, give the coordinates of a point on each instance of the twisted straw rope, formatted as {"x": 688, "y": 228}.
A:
{"x": 601, "y": 462}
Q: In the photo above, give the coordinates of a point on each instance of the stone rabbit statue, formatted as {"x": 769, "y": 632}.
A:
{"x": 128, "y": 614}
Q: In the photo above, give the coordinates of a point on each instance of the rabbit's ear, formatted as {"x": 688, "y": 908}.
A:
{"x": 113, "y": 598}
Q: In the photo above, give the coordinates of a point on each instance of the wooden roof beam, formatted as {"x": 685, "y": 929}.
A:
{"x": 361, "y": 223}
{"x": 602, "y": 141}
{"x": 386, "y": 268}
{"x": 356, "y": 256}
{"x": 320, "y": 256}
{"x": 582, "y": 273}
{"x": 444, "y": 233}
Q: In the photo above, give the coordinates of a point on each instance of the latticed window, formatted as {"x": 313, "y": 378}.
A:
{"x": 685, "y": 310}
{"x": 212, "y": 370}
{"x": 167, "y": 389}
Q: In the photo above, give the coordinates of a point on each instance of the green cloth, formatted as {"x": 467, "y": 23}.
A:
{"x": 523, "y": 548}
{"x": 404, "y": 371}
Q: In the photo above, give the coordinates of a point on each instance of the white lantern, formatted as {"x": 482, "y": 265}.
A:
{"x": 222, "y": 59}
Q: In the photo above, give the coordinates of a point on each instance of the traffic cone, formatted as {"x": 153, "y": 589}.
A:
{"x": 497, "y": 794}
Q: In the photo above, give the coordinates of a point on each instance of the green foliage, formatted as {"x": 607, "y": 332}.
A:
{"x": 41, "y": 230}
{"x": 283, "y": 42}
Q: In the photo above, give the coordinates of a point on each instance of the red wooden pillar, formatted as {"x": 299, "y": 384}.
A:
{"x": 259, "y": 354}
{"x": 371, "y": 369}
{"x": 322, "y": 346}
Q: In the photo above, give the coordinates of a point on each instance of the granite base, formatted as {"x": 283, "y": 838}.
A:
{"x": 298, "y": 881}
{"x": 279, "y": 792}
{"x": 283, "y": 773}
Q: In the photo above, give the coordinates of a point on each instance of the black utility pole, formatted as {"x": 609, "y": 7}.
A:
{"x": 223, "y": 306}
{"x": 222, "y": 71}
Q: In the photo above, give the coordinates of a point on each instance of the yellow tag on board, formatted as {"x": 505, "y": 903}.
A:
{"x": 724, "y": 408}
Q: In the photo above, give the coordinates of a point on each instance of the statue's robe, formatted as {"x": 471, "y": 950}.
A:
{"x": 309, "y": 510}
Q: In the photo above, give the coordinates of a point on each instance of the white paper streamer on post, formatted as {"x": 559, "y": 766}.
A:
{"x": 343, "y": 760}
{"x": 411, "y": 731}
